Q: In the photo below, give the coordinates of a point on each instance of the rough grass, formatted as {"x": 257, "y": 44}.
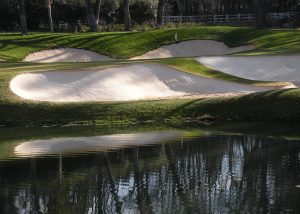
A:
{"x": 14, "y": 47}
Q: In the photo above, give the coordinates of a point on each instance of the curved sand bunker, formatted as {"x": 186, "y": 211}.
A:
{"x": 95, "y": 143}
{"x": 133, "y": 82}
{"x": 192, "y": 48}
{"x": 266, "y": 68}
{"x": 66, "y": 55}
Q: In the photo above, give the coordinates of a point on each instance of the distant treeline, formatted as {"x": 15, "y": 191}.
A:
{"x": 140, "y": 11}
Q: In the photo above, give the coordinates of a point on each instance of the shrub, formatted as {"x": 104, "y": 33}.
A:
{"x": 111, "y": 28}
{"x": 144, "y": 27}
{"x": 83, "y": 29}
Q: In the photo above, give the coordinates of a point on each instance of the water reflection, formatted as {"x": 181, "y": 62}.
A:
{"x": 92, "y": 144}
{"x": 209, "y": 174}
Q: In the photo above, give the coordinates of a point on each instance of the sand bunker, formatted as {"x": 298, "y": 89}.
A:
{"x": 95, "y": 143}
{"x": 133, "y": 82}
{"x": 193, "y": 48}
{"x": 267, "y": 68}
{"x": 66, "y": 55}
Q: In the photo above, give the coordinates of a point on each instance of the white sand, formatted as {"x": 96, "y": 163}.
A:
{"x": 192, "y": 48}
{"x": 266, "y": 68}
{"x": 91, "y": 144}
{"x": 66, "y": 55}
{"x": 134, "y": 82}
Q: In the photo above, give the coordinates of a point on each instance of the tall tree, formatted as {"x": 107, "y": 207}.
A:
{"x": 259, "y": 7}
{"x": 90, "y": 16}
{"x": 22, "y": 14}
{"x": 98, "y": 7}
{"x": 127, "y": 18}
{"x": 50, "y": 15}
{"x": 160, "y": 12}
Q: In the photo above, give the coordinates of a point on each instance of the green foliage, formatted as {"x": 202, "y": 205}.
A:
{"x": 83, "y": 29}
{"x": 145, "y": 27}
{"x": 111, "y": 28}
{"x": 142, "y": 11}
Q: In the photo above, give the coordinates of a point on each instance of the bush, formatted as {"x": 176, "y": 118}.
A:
{"x": 144, "y": 27}
{"x": 181, "y": 25}
{"x": 83, "y": 28}
{"x": 111, "y": 28}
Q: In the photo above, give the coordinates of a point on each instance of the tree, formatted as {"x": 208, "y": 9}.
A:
{"x": 127, "y": 18}
{"x": 22, "y": 13}
{"x": 90, "y": 16}
{"x": 50, "y": 15}
{"x": 160, "y": 12}
{"x": 98, "y": 7}
{"x": 260, "y": 13}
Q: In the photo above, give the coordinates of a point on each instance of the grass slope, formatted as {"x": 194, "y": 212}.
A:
{"x": 282, "y": 105}
{"x": 14, "y": 47}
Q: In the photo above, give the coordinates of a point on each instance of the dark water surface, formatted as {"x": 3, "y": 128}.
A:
{"x": 196, "y": 170}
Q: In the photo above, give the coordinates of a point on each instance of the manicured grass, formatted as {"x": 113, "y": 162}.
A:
{"x": 14, "y": 47}
{"x": 184, "y": 64}
{"x": 194, "y": 67}
{"x": 281, "y": 105}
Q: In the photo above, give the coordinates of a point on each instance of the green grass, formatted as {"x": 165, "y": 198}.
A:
{"x": 194, "y": 67}
{"x": 14, "y": 47}
{"x": 184, "y": 64}
{"x": 281, "y": 105}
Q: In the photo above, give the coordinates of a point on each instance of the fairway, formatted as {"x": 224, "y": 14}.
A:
{"x": 64, "y": 92}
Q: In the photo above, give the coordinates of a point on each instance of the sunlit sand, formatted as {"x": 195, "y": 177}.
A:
{"x": 133, "y": 82}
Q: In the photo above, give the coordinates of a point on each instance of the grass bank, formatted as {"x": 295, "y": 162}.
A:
{"x": 280, "y": 105}
{"x": 14, "y": 47}
{"x": 188, "y": 65}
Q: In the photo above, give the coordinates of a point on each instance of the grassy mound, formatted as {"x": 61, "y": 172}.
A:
{"x": 281, "y": 105}
{"x": 14, "y": 47}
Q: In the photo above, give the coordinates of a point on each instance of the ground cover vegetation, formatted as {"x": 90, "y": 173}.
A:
{"x": 88, "y": 15}
{"x": 14, "y": 47}
{"x": 278, "y": 105}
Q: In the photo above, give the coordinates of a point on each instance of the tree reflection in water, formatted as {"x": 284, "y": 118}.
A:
{"x": 214, "y": 174}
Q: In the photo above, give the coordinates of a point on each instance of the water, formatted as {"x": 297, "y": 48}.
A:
{"x": 198, "y": 170}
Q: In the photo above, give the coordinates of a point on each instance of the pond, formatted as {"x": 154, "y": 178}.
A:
{"x": 241, "y": 168}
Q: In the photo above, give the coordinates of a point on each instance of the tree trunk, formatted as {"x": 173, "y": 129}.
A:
{"x": 127, "y": 18}
{"x": 259, "y": 7}
{"x": 50, "y": 15}
{"x": 90, "y": 16}
{"x": 98, "y": 8}
{"x": 160, "y": 12}
{"x": 23, "y": 20}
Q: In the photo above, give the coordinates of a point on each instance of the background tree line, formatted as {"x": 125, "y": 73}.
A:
{"x": 30, "y": 13}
